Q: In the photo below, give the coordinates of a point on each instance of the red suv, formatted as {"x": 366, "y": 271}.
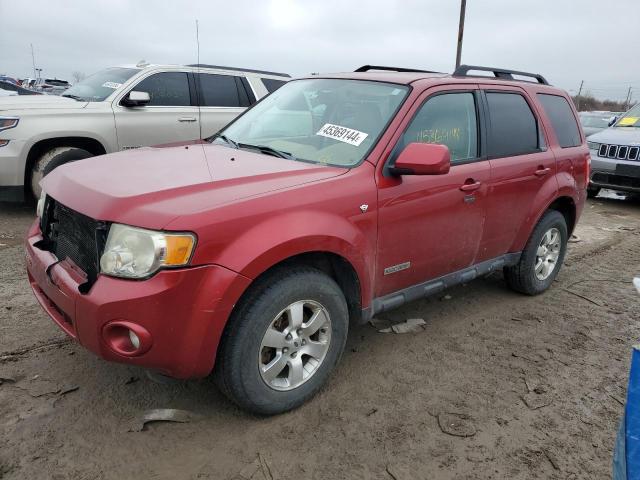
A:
{"x": 331, "y": 200}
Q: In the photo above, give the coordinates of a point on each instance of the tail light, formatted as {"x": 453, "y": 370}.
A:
{"x": 587, "y": 168}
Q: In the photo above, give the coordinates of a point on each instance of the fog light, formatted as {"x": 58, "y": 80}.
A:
{"x": 135, "y": 341}
{"x": 127, "y": 338}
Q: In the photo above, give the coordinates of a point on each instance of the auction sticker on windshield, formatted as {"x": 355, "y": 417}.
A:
{"x": 113, "y": 85}
{"x": 342, "y": 134}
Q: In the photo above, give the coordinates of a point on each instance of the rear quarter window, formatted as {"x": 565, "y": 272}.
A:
{"x": 562, "y": 120}
{"x": 221, "y": 91}
{"x": 514, "y": 128}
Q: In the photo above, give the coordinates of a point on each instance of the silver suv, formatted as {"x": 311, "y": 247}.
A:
{"x": 118, "y": 109}
{"x": 615, "y": 155}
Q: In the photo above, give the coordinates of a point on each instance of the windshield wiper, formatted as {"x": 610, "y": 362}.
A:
{"x": 75, "y": 97}
{"x": 268, "y": 150}
{"x": 224, "y": 138}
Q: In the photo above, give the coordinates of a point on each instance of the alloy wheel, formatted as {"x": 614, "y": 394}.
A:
{"x": 294, "y": 345}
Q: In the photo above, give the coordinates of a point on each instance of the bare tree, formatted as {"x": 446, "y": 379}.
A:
{"x": 78, "y": 76}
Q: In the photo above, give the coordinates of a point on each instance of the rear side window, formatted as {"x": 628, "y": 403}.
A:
{"x": 562, "y": 120}
{"x": 168, "y": 89}
{"x": 271, "y": 84}
{"x": 448, "y": 119}
{"x": 220, "y": 91}
{"x": 514, "y": 129}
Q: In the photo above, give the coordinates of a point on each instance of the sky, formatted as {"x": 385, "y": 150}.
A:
{"x": 567, "y": 41}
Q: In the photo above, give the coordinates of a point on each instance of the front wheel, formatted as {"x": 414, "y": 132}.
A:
{"x": 542, "y": 256}
{"x": 283, "y": 341}
{"x": 50, "y": 160}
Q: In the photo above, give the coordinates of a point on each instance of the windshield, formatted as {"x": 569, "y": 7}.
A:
{"x": 596, "y": 121}
{"x": 318, "y": 120}
{"x": 631, "y": 118}
{"x": 100, "y": 85}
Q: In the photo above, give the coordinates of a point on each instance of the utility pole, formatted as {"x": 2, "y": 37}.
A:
{"x": 33, "y": 60}
{"x": 463, "y": 8}
{"x": 579, "y": 92}
{"x": 627, "y": 100}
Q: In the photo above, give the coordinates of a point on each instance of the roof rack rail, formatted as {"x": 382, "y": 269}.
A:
{"x": 250, "y": 70}
{"x": 500, "y": 73}
{"x": 367, "y": 68}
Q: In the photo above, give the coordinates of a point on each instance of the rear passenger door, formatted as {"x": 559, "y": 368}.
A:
{"x": 170, "y": 116}
{"x": 222, "y": 98}
{"x": 521, "y": 166}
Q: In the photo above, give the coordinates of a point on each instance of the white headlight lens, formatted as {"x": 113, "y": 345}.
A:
{"x": 593, "y": 145}
{"x": 137, "y": 253}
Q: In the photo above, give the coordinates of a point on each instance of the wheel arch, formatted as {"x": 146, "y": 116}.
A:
{"x": 333, "y": 264}
{"x": 567, "y": 207}
{"x": 39, "y": 148}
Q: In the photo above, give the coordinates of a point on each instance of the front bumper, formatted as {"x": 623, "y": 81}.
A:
{"x": 184, "y": 310}
{"x": 12, "y": 165}
{"x": 623, "y": 175}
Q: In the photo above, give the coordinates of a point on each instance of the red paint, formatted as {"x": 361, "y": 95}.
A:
{"x": 251, "y": 211}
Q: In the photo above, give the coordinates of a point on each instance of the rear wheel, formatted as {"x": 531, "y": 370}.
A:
{"x": 283, "y": 341}
{"x": 542, "y": 257}
{"x": 52, "y": 159}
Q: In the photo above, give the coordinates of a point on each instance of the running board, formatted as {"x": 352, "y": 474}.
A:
{"x": 431, "y": 287}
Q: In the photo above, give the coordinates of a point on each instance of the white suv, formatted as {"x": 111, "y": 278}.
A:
{"x": 118, "y": 109}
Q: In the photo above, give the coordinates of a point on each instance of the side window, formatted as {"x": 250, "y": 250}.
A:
{"x": 448, "y": 119}
{"x": 272, "y": 84}
{"x": 562, "y": 120}
{"x": 168, "y": 89}
{"x": 219, "y": 91}
{"x": 514, "y": 129}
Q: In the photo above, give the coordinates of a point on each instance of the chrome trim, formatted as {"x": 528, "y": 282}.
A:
{"x": 619, "y": 152}
{"x": 12, "y": 126}
{"x": 623, "y": 150}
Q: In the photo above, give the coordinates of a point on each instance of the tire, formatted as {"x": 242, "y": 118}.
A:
{"x": 523, "y": 277}
{"x": 53, "y": 159}
{"x": 242, "y": 365}
{"x": 592, "y": 192}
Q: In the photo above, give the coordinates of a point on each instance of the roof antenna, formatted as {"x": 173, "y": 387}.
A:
{"x": 198, "y": 78}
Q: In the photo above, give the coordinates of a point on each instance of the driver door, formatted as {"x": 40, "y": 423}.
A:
{"x": 170, "y": 116}
{"x": 431, "y": 225}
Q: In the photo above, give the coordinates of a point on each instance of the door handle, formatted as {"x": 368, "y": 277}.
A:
{"x": 470, "y": 185}
{"x": 187, "y": 119}
{"x": 541, "y": 171}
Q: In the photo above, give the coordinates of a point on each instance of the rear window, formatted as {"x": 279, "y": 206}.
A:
{"x": 562, "y": 120}
{"x": 272, "y": 84}
{"x": 220, "y": 91}
{"x": 514, "y": 129}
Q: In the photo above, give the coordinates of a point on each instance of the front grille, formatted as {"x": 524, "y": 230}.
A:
{"x": 73, "y": 236}
{"x": 619, "y": 152}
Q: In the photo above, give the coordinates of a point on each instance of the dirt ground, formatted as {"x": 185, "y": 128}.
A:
{"x": 530, "y": 387}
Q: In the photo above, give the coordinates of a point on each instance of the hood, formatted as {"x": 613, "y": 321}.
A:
{"x": 149, "y": 187}
{"x": 618, "y": 136}
{"x": 23, "y": 102}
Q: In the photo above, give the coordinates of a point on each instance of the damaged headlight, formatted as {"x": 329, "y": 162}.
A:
{"x": 40, "y": 204}
{"x": 133, "y": 252}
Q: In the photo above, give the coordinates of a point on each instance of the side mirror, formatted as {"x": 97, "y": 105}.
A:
{"x": 136, "y": 99}
{"x": 423, "y": 159}
{"x": 613, "y": 120}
